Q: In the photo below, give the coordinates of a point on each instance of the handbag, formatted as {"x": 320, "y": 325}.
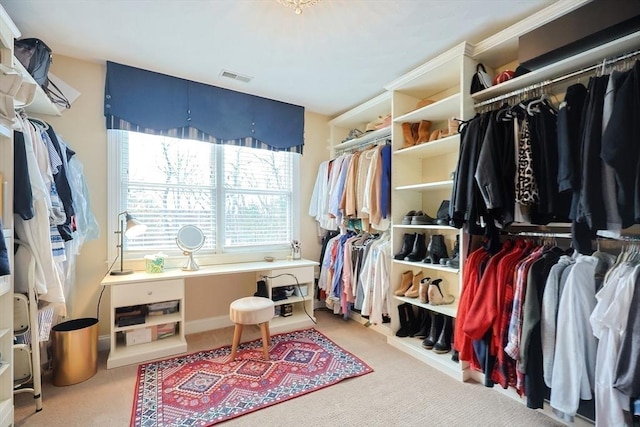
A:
{"x": 36, "y": 57}
{"x": 480, "y": 79}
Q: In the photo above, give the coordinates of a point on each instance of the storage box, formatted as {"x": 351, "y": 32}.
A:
{"x": 164, "y": 331}
{"x": 139, "y": 336}
{"x": 160, "y": 308}
{"x": 302, "y": 291}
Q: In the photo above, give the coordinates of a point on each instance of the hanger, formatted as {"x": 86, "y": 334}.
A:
{"x": 43, "y": 125}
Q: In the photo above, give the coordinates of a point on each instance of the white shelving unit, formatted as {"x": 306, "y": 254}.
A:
{"x": 8, "y": 32}
{"x": 302, "y": 305}
{"x": 422, "y": 179}
{"x": 127, "y": 294}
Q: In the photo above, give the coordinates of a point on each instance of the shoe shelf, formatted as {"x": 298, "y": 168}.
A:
{"x": 437, "y": 185}
{"x": 438, "y": 111}
{"x": 450, "y": 310}
{"x": 429, "y": 266}
{"x": 439, "y": 147}
{"x": 442, "y": 362}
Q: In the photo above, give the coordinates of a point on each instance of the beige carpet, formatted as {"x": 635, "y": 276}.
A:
{"x": 401, "y": 391}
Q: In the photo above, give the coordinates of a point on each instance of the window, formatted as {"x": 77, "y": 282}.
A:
{"x": 244, "y": 199}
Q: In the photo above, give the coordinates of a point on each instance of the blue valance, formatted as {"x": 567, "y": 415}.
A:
{"x": 156, "y": 103}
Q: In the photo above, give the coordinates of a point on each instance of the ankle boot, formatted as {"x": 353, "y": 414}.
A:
{"x": 454, "y": 261}
{"x": 423, "y": 290}
{"x": 409, "y": 141}
{"x": 436, "y": 296}
{"x": 414, "y": 290}
{"x": 419, "y": 249}
{"x": 261, "y": 290}
{"x": 423, "y": 131}
{"x": 425, "y": 325}
{"x": 443, "y": 345}
{"x": 405, "y": 283}
{"x": 407, "y": 246}
{"x": 454, "y": 252}
{"x": 434, "y": 331}
{"x": 404, "y": 321}
{"x": 435, "y": 250}
{"x": 442, "y": 216}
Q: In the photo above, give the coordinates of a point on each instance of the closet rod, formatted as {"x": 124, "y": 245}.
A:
{"x": 340, "y": 150}
{"x": 603, "y": 64}
{"x": 541, "y": 234}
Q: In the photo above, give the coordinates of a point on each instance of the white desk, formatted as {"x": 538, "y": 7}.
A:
{"x": 142, "y": 288}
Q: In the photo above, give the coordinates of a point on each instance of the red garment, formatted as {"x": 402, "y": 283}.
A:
{"x": 504, "y": 370}
{"x": 484, "y": 308}
{"x": 471, "y": 279}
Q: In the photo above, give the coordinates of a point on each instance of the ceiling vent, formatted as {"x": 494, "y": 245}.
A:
{"x": 235, "y": 76}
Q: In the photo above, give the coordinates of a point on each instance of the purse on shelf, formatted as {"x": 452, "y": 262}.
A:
{"x": 480, "y": 80}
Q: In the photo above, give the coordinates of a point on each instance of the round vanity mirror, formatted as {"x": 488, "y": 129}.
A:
{"x": 190, "y": 238}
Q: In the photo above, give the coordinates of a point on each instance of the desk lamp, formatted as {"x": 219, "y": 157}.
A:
{"x": 130, "y": 227}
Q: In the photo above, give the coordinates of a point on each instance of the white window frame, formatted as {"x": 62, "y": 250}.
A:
{"x": 136, "y": 261}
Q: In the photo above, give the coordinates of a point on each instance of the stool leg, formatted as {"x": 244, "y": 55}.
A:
{"x": 237, "y": 333}
{"x": 268, "y": 334}
{"x": 264, "y": 328}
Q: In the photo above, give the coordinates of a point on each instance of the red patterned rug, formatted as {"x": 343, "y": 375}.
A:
{"x": 204, "y": 388}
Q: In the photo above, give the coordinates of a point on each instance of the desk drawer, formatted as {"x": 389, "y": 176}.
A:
{"x": 303, "y": 274}
{"x": 147, "y": 292}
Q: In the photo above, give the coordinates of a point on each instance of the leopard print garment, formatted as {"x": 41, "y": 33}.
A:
{"x": 526, "y": 186}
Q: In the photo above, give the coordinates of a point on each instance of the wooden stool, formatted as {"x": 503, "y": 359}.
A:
{"x": 251, "y": 311}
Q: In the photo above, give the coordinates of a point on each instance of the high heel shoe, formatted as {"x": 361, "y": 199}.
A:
{"x": 423, "y": 290}
{"x": 436, "y": 297}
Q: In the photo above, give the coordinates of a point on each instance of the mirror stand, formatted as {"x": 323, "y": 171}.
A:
{"x": 191, "y": 265}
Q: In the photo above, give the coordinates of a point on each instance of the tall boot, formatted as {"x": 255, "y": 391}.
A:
{"x": 425, "y": 325}
{"x": 419, "y": 249}
{"x": 434, "y": 331}
{"x": 414, "y": 290}
{"x": 443, "y": 345}
{"x": 404, "y": 321}
{"x": 405, "y": 283}
{"x": 407, "y": 246}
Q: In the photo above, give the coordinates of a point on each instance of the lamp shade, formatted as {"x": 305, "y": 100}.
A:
{"x": 134, "y": 227}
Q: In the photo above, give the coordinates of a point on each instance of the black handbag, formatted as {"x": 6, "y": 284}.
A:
{"x": 480, "y": 79}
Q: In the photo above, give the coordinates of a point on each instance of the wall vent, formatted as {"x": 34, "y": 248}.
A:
{"x": 235, "y": 76}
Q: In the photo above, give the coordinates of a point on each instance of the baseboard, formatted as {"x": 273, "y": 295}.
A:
{"x": 192, "y": 327}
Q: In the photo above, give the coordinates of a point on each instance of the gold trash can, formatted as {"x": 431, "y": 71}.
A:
{"x": 75, "y": 351}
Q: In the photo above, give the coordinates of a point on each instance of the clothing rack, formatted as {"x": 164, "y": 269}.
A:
{"x": 363, "y": 142}
{"x": 541, "y": 234}
{"x": 600, "y": 65}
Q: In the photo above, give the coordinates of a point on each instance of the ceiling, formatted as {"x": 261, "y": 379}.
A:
{"x": 334, "y": 56}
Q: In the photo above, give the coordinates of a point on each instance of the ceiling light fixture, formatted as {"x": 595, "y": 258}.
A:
{"x": 298, "y": 5}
